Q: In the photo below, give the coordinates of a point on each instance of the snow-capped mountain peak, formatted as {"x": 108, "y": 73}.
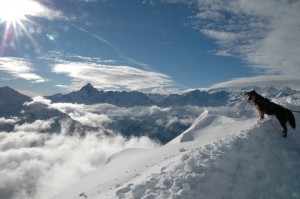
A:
{"x": 88, "y": 88}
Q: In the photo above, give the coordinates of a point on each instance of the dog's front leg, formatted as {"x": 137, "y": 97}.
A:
{"x": 261, "y": 113}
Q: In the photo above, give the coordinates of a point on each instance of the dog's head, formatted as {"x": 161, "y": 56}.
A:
{"x": 252, "y": 95}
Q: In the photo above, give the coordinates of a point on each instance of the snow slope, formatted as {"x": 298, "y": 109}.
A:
{"x": 211, "y": 125}
{"x": 226, "y": 157}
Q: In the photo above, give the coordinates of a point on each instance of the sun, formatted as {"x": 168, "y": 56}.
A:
{"x": 16, "y": 22}
{"x": 14, "y": 12}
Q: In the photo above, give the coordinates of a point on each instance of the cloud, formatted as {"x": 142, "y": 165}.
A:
{"x": 278, "y": 81}
{"x": 223, "y": 53}
{"x": 43, "y": 9}
{"x": 111, "y": 118}
{"x": 34, "y": 165}
{"x": 38, "y": 100}
{"x": 110, "y": 77}
{"x": 36, "y": 126}
{"x": 40, "y": 165}
{"x": 19, "y": 68}
{"x": 120, "y": 53}
{"x": 8, "y": 120}
{"x": 221, "y": 36}
{"x": 264, "y": 34}
{"x": 87, "y": 115}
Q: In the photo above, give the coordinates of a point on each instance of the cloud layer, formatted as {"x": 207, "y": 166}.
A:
{"x": 277, "y": 81}
{"x": 19, "y": 68}
{"x": 264, "y": 34}
{"x": 39, "y": 165}
{"x": 34, "y": 165}
{"x": 110, "y": 77}
{"x": 103, "y": 74}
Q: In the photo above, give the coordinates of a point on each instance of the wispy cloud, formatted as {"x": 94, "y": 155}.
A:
{"x": 222, "y": 37}
{"x": 46, "y": 9}
{"x": 278, "y": 81}
{"x": 264, "y": 34}
{"x": 105, "y": 76}
{"x": 36, "y": 126}
{"x": 20, "y": 68}
{"x": 120, "y": 53}
{"x": 41, "y": 9}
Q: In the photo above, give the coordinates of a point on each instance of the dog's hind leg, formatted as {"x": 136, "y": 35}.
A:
{"x": 283, "y": 122}
{"x": 284, "y": 131}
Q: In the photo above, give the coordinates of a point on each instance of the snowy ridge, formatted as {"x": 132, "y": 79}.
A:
{"x": 211, "y": 125}
{"x": 255, "y": 164}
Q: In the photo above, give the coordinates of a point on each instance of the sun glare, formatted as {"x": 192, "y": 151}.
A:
{"x": 16, "y": 22}
{"x": 14, "y": 11}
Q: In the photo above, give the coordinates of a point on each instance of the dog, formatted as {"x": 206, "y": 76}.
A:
{"x": 265, "y": 106}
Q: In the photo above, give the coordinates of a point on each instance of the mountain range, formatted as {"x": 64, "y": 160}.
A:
{"x": 160, "y": 117}
{"x": 90, "y": 95}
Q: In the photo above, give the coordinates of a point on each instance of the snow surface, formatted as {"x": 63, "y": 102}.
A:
{"x": 219, "y": 156}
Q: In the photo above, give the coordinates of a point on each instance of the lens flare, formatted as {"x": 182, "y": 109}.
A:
{"x": 13, "y": 14}
{"x": 14, "y": 11}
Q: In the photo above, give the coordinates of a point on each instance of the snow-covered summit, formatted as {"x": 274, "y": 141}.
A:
{"x": 89, "y": 89}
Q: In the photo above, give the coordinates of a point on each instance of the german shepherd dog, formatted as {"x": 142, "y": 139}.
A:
{"x": 265, "y": 106}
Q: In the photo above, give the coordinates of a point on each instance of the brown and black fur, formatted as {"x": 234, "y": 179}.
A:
{"x": 265, "y": 106}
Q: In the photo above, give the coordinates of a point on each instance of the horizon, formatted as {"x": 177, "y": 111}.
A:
{"x": 163, "y": 46}
{"x": 166, "y": 94}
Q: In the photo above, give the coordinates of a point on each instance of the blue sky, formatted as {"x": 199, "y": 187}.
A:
{"x": 154, "y": 46}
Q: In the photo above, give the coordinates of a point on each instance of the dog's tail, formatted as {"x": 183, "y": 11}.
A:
{"x": 291, "y": 119}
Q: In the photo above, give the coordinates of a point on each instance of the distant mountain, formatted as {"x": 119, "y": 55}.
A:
{"x": 90, "y": 95}
{"x": 11, "y": 101}
{"x": 197, "y": 98}
{"x": 12, "y": 104}
{"x": 157, "y": 98}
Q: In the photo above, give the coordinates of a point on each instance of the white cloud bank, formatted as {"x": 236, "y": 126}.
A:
{"x": 38, "y": 166}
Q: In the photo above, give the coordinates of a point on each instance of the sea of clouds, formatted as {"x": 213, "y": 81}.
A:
{"x": 38, "y": 165}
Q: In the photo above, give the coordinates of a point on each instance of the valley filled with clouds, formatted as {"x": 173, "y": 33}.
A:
{"x": 42, "y": 153}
